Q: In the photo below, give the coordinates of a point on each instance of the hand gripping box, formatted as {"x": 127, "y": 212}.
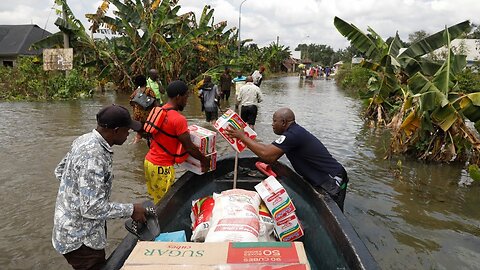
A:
{"x": 192, "y": 164}
{"x": 275, "y": 197}
{"x": 204, "y": 138}
{"x": 232, "y": 119}
{"x": 221, "y": 255}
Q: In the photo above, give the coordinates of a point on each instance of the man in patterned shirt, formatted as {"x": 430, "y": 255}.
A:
{"x": 83, "y": 206}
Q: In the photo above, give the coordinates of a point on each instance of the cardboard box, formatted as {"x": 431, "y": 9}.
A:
{"x": 232, "y": 119}
{"x": 288, "y": 229}
{"x": 192, "y": 164}
{"x": 222, "y": 255}
{"x": 204, "y": 138}
{"x": 275, "y": 197}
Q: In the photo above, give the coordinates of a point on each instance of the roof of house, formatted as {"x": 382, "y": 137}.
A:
{"x": 16, "y": 39}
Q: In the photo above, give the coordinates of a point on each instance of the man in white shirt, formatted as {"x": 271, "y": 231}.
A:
{"x": 248, "y": 98}
{"x": 257, "y": 76}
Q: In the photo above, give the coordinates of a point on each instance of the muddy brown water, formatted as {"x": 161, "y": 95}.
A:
{"x": 416, "y": 217}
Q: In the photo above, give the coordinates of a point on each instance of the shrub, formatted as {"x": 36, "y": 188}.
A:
{"x": 353, "y": 78}
{"x": 27, "y": 80}
{"x": 469, "y": 81}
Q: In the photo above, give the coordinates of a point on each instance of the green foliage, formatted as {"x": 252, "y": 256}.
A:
{"x": 425, "y": 103}
{"x": 28, "y": 80}
{"x": 320, "y": 54}
{"x": 151, "y": 34}
{"x": 474, "y": 172}
{"x": 353, "y": 78}
{"x": 469, "y": 81}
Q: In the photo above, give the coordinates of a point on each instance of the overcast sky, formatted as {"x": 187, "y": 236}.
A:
{"x": 293, "y": 21}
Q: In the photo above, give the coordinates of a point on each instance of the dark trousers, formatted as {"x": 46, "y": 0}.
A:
{"x": 211, "y": 116}
{"x": 226, "y": 94}
{"x": 249, "y": 114}
{"x": 336, "y": 187}
{"x": 86, "y": 258}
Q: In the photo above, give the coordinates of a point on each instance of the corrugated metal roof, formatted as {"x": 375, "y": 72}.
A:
{"x": 16, "y": 39}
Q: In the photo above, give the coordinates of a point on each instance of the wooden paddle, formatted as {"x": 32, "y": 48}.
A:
{"x": 235, "y": 171}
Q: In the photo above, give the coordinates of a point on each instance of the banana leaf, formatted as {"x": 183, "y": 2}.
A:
{"x": 430, "y": 96}
{"x": 356, "y": 37}
{"x": 410, "y": 124}
{"x": 433, "y": 42}
{"x": 470, "y": 106}
{"x": 445, "y": 117}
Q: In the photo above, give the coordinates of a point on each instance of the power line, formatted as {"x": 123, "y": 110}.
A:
{"x": 48, "y": 18}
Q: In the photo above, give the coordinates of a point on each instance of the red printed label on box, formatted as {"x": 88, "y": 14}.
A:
{"x": 270, "y": 253}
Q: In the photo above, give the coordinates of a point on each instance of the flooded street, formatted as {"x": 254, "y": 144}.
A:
{"x": 411, "y": 217}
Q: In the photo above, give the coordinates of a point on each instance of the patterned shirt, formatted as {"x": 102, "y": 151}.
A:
{"x": 139, "y": 113}
{"x": 83, "y": 206}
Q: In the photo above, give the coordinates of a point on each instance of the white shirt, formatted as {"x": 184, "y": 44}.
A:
{"x": 256, "y": 75}
{"x": 250, "y": 94}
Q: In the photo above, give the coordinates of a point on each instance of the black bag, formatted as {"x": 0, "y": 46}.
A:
{"x": 145, "y": 101}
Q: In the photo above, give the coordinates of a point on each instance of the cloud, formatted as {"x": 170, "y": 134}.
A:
{"x": 294, "y": 22}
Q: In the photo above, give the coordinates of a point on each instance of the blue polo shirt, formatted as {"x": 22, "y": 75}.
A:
{"x": 309, "y": 157}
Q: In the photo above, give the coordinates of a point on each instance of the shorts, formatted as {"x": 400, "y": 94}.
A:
{"x": 159, "y": 179}
{"x": 249, "y": 114}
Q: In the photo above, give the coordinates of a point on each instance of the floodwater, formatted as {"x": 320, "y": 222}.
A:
{"x": 413, "y": 216}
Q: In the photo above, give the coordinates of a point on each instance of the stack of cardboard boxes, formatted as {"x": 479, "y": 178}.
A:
{"x": 205, "y": 139}
{"x": 282, "y": 209}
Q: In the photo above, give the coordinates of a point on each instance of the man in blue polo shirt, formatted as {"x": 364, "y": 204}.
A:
{"x": 309, "y": 157}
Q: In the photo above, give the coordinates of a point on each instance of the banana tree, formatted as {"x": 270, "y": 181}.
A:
{"x": 435, "y": 127}
{"x": 153, "y": 35}
{"x": 274, "y": 55}
{"x": 381, "y": 57}
{"x": 431, "y": 118}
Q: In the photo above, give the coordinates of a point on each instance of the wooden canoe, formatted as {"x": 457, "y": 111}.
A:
{"x": 330, "y": 240}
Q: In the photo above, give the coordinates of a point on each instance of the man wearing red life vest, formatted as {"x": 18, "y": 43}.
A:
{"x": 166, "y": 146}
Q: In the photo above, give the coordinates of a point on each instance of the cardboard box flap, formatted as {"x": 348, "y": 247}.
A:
{"x": 222, "y": 255}
{"x": 148, "y": 253}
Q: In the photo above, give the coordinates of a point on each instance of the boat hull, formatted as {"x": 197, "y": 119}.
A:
{"x": 330, "y": 240}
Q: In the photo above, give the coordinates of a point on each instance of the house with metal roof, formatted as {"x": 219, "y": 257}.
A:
{"x": 15, "y": 41}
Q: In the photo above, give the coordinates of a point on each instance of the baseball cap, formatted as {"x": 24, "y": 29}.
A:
{"x": 114, "y": 116}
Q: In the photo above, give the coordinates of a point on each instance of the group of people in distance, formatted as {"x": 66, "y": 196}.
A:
{"x": 247, "y": 95}
{"x": 85, "y": 173}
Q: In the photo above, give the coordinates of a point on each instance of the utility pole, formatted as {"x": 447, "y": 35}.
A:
{"x": 66, "y": 41}
{"x": 239, "y": 26}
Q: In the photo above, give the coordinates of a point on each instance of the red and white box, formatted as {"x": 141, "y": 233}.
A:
{"x": 288, "y": 229}
{"x": 204, "y": 138}
{"x": 232, "y": 119}
{"x": 275, "y": 197}
{"x": 192, "y": 164}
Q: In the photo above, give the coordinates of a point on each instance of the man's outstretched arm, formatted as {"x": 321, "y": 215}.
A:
{"x": 267, "y": 152}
